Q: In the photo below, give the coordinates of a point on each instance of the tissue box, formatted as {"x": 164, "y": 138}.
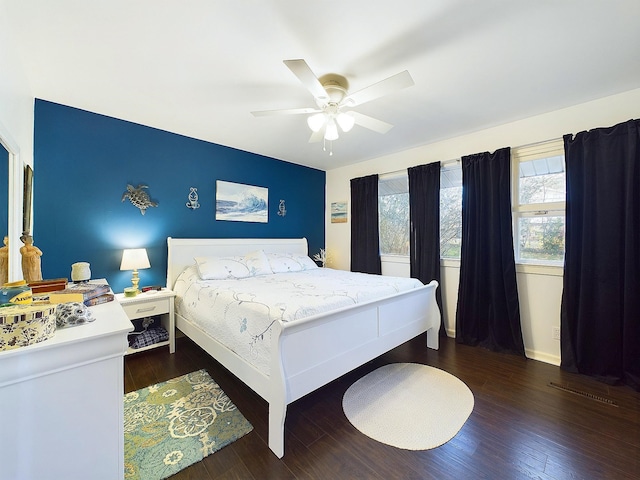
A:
{"x": 22, "y": 325}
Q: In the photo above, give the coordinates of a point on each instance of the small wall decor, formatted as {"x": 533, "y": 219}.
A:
{"x": 282, "y": 209}
{"x": 241, "y": 203}
{"x": 338, "y": 212}
{"x": 193, "y": 198}
{"x": 139, "y": 197}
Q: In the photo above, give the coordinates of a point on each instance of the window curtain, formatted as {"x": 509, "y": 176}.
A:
{"x": 365, "y": 238}
{"x": 600, "y": 313}
{"x": 424, "y": 219}
{"x": 488, "y": 312}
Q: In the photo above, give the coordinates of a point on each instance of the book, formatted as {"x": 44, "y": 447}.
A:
{"x": 49, "y": 285}
{"x": 104, "y": 298}
{"x": 79, "y": 292}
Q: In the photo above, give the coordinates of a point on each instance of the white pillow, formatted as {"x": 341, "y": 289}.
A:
{"x": 258, "y": 263}
{"x": 290, "y": 262}
{"x": 219, "y": 268}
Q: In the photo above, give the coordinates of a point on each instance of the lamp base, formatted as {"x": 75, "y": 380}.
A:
{"x": 135, "y": 281}
{"x": 130, "y": 292}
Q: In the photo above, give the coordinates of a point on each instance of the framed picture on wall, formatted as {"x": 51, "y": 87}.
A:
{"x": 237, "y": 202}
{"x": 338, "y": 212}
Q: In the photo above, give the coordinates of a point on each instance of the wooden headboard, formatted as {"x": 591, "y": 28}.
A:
{"x": 181, "y": 251}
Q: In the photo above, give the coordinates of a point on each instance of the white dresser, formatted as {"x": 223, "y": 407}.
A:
{"x": 61, "y": 402}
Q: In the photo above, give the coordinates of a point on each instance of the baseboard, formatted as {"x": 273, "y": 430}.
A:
{"x": 542, "y": 357}
{"x": 532, "y": 354}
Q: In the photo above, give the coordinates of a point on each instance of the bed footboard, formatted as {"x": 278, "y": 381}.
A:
{"x": 319, "y": 349}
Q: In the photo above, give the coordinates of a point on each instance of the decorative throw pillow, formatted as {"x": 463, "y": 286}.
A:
{"x": 290, "y": 262}
{"x": 220, "y": 268}
{"x": 71, "y": 314}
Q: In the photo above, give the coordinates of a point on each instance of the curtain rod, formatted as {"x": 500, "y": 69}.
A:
{"x": 397, "y": 172}
{"x": 457, "y": 160}
{"x": 541, "y": 142}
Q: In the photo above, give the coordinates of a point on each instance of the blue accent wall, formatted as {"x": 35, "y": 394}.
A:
{"x": 83, "y": 162}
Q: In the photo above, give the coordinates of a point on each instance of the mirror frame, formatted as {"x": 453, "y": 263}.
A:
{"x": 15, "y": 194}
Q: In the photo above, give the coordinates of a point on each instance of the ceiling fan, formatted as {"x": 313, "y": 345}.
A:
{"x": 334, "y": 102}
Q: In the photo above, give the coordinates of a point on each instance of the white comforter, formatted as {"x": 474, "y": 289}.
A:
{"x": 239, "y": 313}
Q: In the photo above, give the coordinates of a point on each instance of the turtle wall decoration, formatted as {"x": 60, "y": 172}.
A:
{"x": 139, "y": 197}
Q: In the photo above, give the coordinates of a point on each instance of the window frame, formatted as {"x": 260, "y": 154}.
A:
{"x": 404, "y": 174}
{"x": 545, "y": 149}
{"x": 448, "y": 165}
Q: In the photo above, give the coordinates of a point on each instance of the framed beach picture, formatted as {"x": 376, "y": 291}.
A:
{"x": 237, "y": 202}
{"x": 338, "y": 212}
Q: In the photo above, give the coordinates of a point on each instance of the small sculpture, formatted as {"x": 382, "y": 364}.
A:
{"x": 4, "y": 262}
{"x": 193, "y": 198}
{"x": 31, "y": 268}
{"x": 139, "y": 197}
{"x": 81, "y": 272}
{"x": 321, "y": 257}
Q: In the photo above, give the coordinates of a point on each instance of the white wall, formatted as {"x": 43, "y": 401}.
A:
{"x": 16, "y": 101}
{"x": 16, "y": 133}
{"x": 539, "y": 289}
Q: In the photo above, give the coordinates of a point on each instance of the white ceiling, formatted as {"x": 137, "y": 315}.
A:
{"x": 199, "y": 67}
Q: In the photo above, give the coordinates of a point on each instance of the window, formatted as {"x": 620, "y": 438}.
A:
{"x": 393, "y": 214}
{"x": 450, "y": 210}
{"x": 539, "y": 196}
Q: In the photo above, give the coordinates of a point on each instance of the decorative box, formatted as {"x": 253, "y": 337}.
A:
{"x": 22, "y": 325}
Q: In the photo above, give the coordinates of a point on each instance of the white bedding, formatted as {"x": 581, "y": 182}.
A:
{"x": 240, "y": 312}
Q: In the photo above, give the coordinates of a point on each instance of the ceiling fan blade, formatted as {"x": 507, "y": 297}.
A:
{"x": 316, "y": 136}
{"x": 383, "y": 87}
{"x": 301, "y": 70}
{"x": 288, "y": 111}
{"x": 371, "y": 123}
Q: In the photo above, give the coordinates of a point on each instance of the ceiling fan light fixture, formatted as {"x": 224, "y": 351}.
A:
{"x": 331, "y": 132}
{"x": 346, "y": 121}
{"x": 316, "y": 122}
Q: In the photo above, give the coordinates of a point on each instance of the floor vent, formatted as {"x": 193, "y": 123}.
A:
{"x": 597, "y": 398}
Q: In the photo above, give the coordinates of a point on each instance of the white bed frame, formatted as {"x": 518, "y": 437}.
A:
{"x": 312, "y": 352}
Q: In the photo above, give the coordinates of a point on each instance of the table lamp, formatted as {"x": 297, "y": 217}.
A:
{"x": 134, "y": 259}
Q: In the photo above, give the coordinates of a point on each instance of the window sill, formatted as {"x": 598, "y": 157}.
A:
{"x": 450, "y": 262}
{"x": 404, "y": 259}
{"x": 529, "y": 269}
{"x": 549, "y": 270}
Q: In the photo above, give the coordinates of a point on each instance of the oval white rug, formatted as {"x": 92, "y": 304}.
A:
{"x": 408, "y": 405}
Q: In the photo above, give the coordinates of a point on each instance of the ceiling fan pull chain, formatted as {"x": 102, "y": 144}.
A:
{"x": 324, "y": 146}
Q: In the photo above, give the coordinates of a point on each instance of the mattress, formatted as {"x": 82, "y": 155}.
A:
{"x": 240, "y": 312}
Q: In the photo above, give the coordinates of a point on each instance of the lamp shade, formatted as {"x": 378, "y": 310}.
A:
{"x": 316, "y": 122}
{"x": 346, "y": 121}
{"x": 134, "y": 258}
{"x": 331, "y": 132}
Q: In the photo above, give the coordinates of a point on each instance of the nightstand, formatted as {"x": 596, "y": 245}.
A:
{"x": 148, "y": 304}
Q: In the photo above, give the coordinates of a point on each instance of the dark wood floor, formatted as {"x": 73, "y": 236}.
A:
{"x": 520, "y": 426}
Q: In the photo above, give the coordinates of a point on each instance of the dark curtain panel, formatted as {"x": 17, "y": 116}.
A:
{"x": 365, "y": 238}
{"x": 600, "y": 315}
{"x": 488, "y": 311}
{"x": 424, "y": 216}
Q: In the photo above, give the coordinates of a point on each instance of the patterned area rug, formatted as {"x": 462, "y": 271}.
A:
{"x": 407, "y": 405}
{"x": 173, "y": 424}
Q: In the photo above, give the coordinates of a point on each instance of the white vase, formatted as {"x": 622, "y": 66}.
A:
{"x": 80, "y": 272}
